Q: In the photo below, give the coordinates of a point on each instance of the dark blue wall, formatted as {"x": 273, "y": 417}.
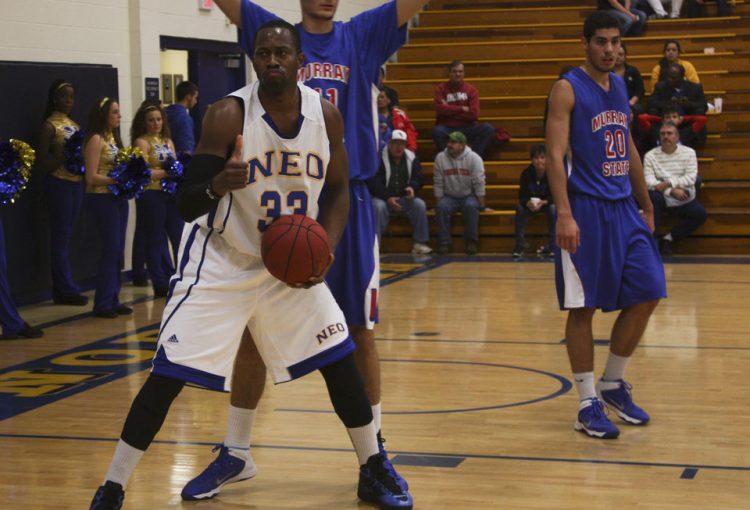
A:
{"x": 23, "y": 94}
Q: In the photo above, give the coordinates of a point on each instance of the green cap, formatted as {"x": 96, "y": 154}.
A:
{"x": 457, "y": 136}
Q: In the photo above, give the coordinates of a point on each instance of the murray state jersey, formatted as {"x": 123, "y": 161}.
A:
{"x": 286, "y": 174}
{"x": 599, "y": 134}
{"x": 344, "y": 67}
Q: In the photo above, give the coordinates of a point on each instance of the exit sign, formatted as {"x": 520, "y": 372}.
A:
{"x": 205, "y": 5}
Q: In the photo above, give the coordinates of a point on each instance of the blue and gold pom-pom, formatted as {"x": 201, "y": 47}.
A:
{"x": 72, "y": 153}
{"x": 175, "y": 170}
{"x": 16, "y": 160}
{"x": 131, "y": 173}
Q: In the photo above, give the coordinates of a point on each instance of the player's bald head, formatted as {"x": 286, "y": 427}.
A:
{"x": 278, "y": 27}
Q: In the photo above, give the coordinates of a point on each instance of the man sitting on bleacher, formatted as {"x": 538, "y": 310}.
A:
{"x": 394, "y": 190}
{"x": 671, "y": 171}
{"x": 534, "y": 197}
{"x": 459, "y": 185}
{"x": 457, "y": 107}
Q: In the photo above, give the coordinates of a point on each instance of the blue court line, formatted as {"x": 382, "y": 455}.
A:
{"x": 678, "y": 259}
{"x": 559, "y": 342}
{"x": 568, "y": 460}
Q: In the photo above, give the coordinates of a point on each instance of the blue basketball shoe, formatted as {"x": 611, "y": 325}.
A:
{"x": 108, "y": 497}
{"x": 381, "y": 448}
{"x": 225, "y": 469}
{"x": 593, "y": 421}
{"x": 378, "y": 485}
{"x": 617, "y": 396}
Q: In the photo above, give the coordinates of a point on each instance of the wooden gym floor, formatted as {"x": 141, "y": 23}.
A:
{"x": 477, "y": 395}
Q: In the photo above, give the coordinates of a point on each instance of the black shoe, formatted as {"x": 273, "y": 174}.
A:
{"x": 472, "y": 248}
{"x": 72, "y": 300}
{"x": 26, "y": 331}
{"x": 161, "y": 292}
{"x": 545, "y": 251}
{"x": 665, "y": 247}
{"x": 123, "y": 310}
{"x": 444, "y": 249}
{"x": 108, "y": 497}
{"x": 518, "y": 253}
{"x": 140, "y": 282}
{"x": 106, "y": 314}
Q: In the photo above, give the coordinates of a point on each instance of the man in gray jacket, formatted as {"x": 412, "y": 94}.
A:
{"x": 459, "y": 185}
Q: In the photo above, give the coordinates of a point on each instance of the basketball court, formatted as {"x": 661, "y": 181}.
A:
{"x": 478, "y": 402}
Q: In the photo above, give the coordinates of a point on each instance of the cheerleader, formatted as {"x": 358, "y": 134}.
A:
{"x": 64, "y": 189}
{"x": 110, "y": 212}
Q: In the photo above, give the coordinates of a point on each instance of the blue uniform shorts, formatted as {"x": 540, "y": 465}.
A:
{"x": 354, "y": 278}
{"x": 617, "y": 264}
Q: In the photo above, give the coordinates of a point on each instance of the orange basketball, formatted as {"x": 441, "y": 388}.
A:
{"x": 295, "y": 248}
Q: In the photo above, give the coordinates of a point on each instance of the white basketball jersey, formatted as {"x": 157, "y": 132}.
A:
{"x": 286, "y": 174}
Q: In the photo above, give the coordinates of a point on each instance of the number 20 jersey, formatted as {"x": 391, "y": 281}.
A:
{"x": 286, "y": 174}
{"x": 599, "y": 134}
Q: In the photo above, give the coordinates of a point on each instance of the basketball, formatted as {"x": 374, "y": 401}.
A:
{"x": 295, "y": 248}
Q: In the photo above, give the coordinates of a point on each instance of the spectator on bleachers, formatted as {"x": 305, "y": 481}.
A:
{"x": 672, "y": 50}
{"x": 459, "y": 185}
{"x": 671, "y": 171}
{"x": 657, "y": 7}
{"x": 677, "y": 92}
{"x": 692, "y": 128}
{"x": 392, "y": 94}
{"x": 534, "y": 197}
{"x": 695, "y": 8}
{"x": 632, "y": 20}
{"x": 394, "y": 190}
{"x": 457, "y": 107}
{"x": 633, "y": 80}
{"x": 396, "y": 118}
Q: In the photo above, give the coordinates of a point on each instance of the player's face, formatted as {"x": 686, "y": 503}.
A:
{"x": 668, "y": 138}
{"x": 64, "y": 99}
{"x": 457, "y": 74}
{"x": 154, "y": 122}
{"x": 113, "y": 116}
{"x": 275, "y": 59}
{"x": 602, "y": 49}
{"x": 319, "y": 9}
{"x": 540, "y": 162}
{"x": 671, "y": 53}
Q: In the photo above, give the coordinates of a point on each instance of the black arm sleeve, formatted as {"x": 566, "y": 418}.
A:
{"x": 192, "y": 199}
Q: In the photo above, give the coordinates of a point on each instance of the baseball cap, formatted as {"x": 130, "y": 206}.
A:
{"x": 457, "y": 136}
{"x": 398, "y": 134}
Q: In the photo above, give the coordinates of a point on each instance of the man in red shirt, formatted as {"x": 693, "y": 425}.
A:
{"x": 457, "y": 106}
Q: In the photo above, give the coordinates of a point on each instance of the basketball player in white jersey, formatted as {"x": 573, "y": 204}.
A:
{"x": 285, "y": 142}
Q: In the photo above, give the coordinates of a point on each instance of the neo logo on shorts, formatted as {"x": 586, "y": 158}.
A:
{"x": 330, "y": 330}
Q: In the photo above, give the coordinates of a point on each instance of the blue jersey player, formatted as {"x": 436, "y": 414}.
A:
{"x": 342, "y": 62}
{"x": 607, "y": 255}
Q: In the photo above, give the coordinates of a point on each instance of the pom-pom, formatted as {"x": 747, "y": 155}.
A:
{"x": 175, "y": 169}
{"x": 131, "y": 173}
{"x": 73, "y": 155}
{"x": 16, "y": 160}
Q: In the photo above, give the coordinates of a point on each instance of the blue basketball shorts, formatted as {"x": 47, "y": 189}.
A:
{"x": 617, "y": 263}
{"x": 354, "y": 277}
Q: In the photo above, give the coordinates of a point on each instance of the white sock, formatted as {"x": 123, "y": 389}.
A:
{"x": 239, "y": 427}
{"x": 585, "y": 385}
{"x": 365, "y": 441}
{"x": 376, "y": 416}
{"x": 615, "y": 369}
{"x": 124, "y": 461}
{"x": 668, "y": 237}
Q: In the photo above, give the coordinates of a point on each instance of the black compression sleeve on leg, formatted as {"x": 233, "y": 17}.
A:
{"x": 149, "y": 410}
{"x": 347, "y": 392}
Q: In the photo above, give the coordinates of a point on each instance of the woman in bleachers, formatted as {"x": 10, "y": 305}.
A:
{"x": 156, "y": 210}
{"x": 633, "y": 80}
{"x": 672, "y": 52}
{"x": 109, "y": 211}
{"x": 395, "y": 118}
{"x": 63, "y": 187}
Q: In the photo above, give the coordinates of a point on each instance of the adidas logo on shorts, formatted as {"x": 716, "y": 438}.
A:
{"x": 173, "y": 339}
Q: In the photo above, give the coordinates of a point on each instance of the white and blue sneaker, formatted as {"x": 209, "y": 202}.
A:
{"x": 399, "y": 480}
{"x": 224, "y": 470}
{"x": 618, "y": 396}
{"x": 377, "y": 484}
{"x": 593, "y": 421}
